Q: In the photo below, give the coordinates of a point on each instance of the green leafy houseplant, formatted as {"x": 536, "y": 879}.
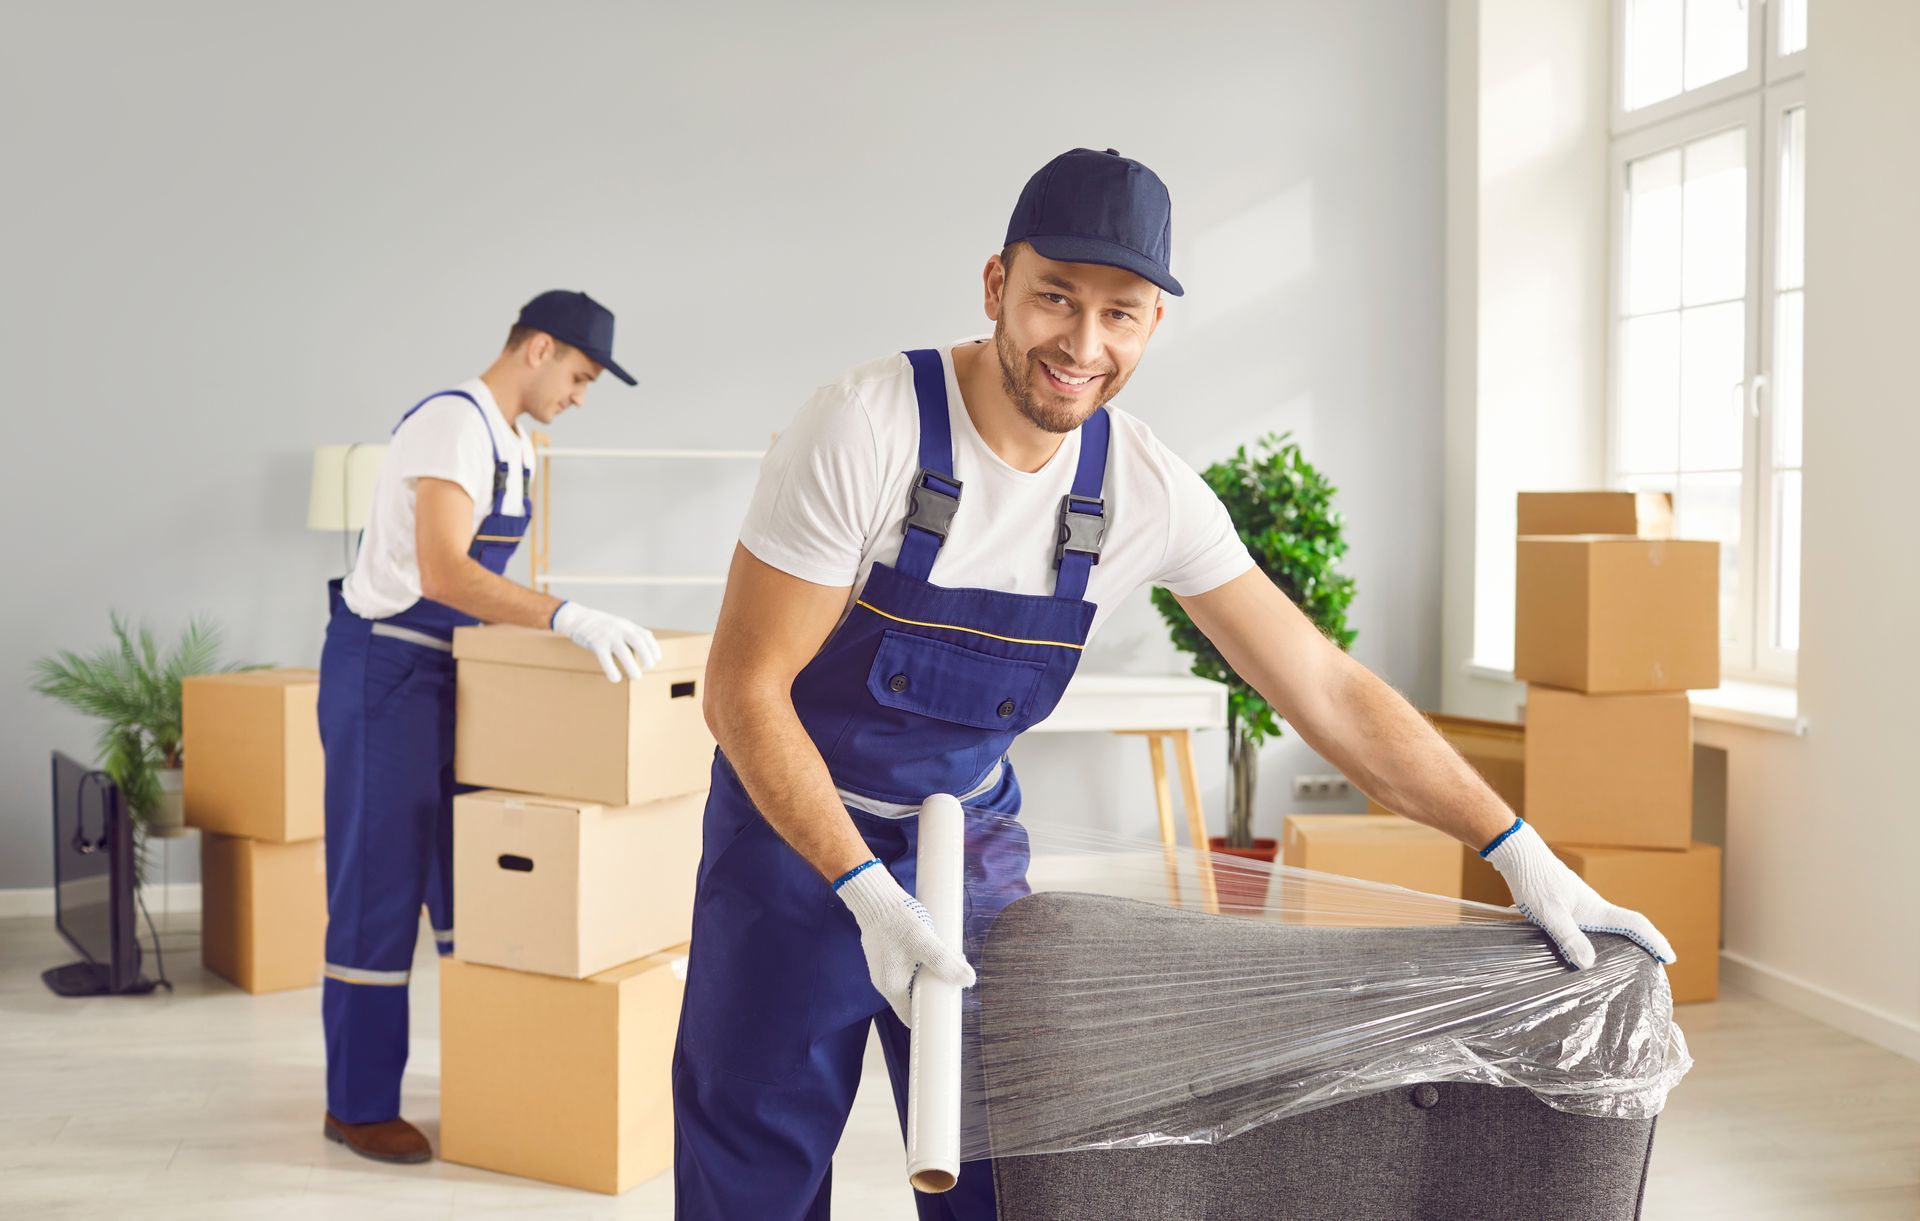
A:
{"x": 135, "y": 692}
{"x": 1282, "y": 507}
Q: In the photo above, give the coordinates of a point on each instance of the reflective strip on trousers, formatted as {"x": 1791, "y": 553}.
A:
{"x": 407, "y": 634}
{"x": 358, "y": 975}
{"x": 890, "y": 809}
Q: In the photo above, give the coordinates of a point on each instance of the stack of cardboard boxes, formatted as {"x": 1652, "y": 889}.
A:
{"x": 573, "y": 898}
{"x": 253, "y": 786}
{"x": 1614, "y": 621}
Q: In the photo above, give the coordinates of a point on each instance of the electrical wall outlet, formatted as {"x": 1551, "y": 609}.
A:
{"x": 1319, "y": 788}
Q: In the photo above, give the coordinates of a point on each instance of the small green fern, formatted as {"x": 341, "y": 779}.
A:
{"x": 134, "y": 691}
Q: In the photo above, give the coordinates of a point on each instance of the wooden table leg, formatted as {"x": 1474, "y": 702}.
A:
{"x": 1196, "y": 821}
{"x": 1163, "y": 801}
{"x": 539, "y": 554}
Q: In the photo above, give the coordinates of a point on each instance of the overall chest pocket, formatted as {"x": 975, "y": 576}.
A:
{"x": 952, "y": 683}
{"x": 496, "y": 541}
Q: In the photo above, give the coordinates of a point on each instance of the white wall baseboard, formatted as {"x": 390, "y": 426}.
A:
{"x": 38, "y": 900}
{"x": 1869, "y": 1022}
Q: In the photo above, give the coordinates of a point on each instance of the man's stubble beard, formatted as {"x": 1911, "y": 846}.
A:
{"x": 1016, "y": 377}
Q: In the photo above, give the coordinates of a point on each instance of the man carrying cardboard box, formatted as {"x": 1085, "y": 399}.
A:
{"x": 448, "y": 512}
{"x": 845, "y": 685}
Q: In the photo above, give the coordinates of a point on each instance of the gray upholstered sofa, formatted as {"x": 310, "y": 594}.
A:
{"x": 1445, "y": 1149}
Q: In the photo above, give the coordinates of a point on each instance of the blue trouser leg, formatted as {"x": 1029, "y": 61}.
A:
{"x": 386, "y": 724}
{"x": 972, "y": 1197}
{"x": 996, "y": 875}
{"x": 439, "y": 892}
{"x": 774, "y": 1029}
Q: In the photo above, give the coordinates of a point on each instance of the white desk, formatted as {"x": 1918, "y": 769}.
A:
{"x": 1164, "y": 709}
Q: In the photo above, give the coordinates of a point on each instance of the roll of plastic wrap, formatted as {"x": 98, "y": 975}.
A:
{"x": 933, "y": 1073}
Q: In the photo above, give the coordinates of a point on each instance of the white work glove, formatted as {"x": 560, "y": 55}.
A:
{"x": 897, "y": 935}
{"x": 609, "y": 638}
{"x": 1554, "y": 897}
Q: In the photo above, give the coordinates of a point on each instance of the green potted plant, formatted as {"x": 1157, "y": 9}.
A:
{"x": 1282, "y": 507}
{"x": 135, "y": 692}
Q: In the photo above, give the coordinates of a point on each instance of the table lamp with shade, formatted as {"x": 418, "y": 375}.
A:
{"x": 342, "y": 489}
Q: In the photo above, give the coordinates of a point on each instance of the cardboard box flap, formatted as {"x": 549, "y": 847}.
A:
{"x": 1654, "y": 547}
{"x": 257, "y": 678}
{"x": 526, "y": 801}
{"x": 530, "y": 646}
{"x": 673, "y": 959}
{"x": 1359, "y": 829}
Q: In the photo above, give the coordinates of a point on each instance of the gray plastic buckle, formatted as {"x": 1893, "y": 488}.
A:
{"x": 1079, "y": 531}
{"x": 931, "y": 508}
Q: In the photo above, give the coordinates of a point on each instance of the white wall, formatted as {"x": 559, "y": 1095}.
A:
{"x": 1822, "y": 832}
{"x": 1526, "y": 327}
{"x": 237, "y": 231}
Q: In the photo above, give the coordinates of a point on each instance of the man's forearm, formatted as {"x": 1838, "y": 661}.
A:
{"x": 1379, "y": 741}
{"x": 786, "y": 777}
{"x": 472, "y": 590}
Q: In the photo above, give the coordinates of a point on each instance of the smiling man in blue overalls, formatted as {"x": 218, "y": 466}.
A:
{"x": 928, "y": 550}
{"x": 449, "y": 507}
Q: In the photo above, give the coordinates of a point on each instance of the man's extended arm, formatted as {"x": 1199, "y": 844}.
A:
{"x": 1345, "y": 712}
{"x": 1362, "y": 726}
{"x": 443, "y": 532}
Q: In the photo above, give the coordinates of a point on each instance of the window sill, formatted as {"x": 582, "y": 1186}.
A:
{"x": 1766, "y": 706}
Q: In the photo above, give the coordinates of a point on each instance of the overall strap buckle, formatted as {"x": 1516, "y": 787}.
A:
{"x": 930, "y": 506}
{"x": 1083, "y": 527}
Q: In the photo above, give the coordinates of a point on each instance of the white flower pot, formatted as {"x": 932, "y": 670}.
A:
{"x": 169, "y": 817}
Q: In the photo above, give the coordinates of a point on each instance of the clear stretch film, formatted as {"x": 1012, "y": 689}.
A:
{"x": 933, "y": 1074}
{"x": 1131, "y": 995}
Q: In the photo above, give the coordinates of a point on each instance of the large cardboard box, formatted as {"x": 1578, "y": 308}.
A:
{"x": 1613, "y": 770}
{"x": 1643, "y": 514}
{"x": 563, "y": 1080}
{"x": 571, "y": 888}
{"x": 1601, "y": 613}
{"x": 1678, "y": 891}
{"x": 1395, "y": 851}
{"x": 263, "y": 911}
{"x": 1391, "y": 850}
{"x": 250, "y": 745}
{"x": 534, "y": 714}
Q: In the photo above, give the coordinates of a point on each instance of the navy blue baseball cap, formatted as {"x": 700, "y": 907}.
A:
{"x": 577, "y": 319}
{"x": 1088, "y": 207}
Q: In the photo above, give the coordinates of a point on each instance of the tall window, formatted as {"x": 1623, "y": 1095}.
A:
{"x": 1709, "y": 182}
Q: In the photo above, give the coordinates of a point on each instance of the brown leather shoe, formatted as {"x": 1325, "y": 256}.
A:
{"x": 396, "y": 1140}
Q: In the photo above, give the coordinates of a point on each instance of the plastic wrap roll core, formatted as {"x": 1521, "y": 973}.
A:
{"x": 933, "y": 1072}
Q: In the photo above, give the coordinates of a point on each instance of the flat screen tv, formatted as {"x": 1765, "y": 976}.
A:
{"x": 93, "y": 882}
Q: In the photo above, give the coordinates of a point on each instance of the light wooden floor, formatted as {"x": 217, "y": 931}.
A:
{"x": 207, "y": 1104}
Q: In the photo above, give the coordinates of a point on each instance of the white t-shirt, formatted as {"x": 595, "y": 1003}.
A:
{"x": 832, "y": 500}
{"x": 445, "y": 439}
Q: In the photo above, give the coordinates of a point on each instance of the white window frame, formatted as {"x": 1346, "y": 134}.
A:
{"x": 1770, "y": 661}
{"x": 1744, "y": 81}
{"x": 1780, "y": 67}
{"x": 1756, "y": 98}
